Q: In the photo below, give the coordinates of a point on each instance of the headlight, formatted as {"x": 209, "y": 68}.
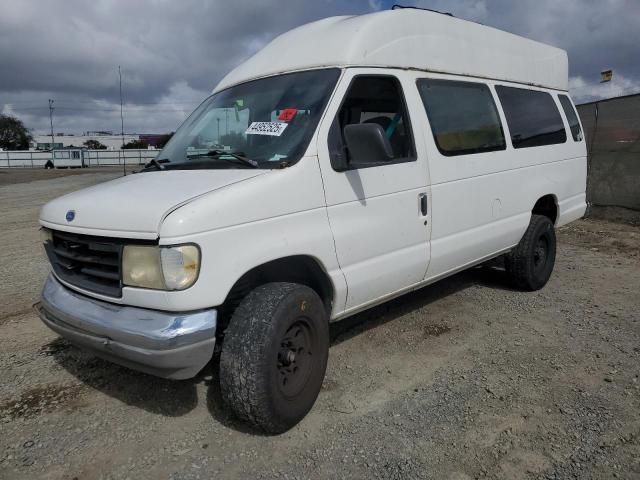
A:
{"x": 160, "y": 268}
{"x": 141, "y": 267}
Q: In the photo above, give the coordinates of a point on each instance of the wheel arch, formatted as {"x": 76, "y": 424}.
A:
{"x": 304, "y": 269}
{"x": 547, "y": 206}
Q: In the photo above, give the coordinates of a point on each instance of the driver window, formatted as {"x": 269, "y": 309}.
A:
{"x": 374, "y": 99}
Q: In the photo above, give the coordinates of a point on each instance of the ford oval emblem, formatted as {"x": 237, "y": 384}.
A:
{"x": 71, "y": 214}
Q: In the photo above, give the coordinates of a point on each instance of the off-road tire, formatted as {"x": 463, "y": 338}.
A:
{"x": 255, "y": 356}
{"x": 530, "y": 264}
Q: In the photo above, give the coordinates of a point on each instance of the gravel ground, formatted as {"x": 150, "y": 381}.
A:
{"x": 463, "y": 379}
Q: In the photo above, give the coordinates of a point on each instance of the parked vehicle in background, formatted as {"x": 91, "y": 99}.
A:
{"x": 67, "y": 158}
{"x": 363, "y": 157}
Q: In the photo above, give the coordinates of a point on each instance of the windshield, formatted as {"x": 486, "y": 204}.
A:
{"x": 268, "y": 121}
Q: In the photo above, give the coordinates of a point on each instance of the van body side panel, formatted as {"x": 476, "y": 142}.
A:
{"x": 572, "y": 208}
{"x": 461, "y": 237}
{"x": 476, "y": 211}
{"x": 573, "y": 204}
{"x": 482, "y": 202}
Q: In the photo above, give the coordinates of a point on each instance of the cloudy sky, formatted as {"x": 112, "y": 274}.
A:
{"x": 173, "y": 53}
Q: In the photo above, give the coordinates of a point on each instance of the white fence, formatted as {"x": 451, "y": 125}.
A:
{"x": 106, "y": 158}
{"x": 24, "y": 158}
{"x": 74, "y": 158}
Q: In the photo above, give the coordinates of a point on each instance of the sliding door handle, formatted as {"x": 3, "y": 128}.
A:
{"x": 424, "y": 204}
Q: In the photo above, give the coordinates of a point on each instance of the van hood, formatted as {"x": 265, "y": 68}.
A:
{"x": 134, "y": 206}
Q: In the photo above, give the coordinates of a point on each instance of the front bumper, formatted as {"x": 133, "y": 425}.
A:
{"x": 166, "y": 344}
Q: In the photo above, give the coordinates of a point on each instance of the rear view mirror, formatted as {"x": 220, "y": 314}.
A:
{"x": 367, "y": 144}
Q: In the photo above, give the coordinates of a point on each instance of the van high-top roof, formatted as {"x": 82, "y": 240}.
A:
{"x": 408, "y": 39}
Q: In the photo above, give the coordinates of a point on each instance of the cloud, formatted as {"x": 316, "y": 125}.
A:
{"x": 173, "y": 53}
{"x": 597, "y": 34}
{"x": 584, "y": 91}
{"x": 163, "y": 46}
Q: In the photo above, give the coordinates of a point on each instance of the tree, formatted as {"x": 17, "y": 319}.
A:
{"x": 13, "y": 134}
{"x": 136, "y": 144}
{"x": 92, "y": 144}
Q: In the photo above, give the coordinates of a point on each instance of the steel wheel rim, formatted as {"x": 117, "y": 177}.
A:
{"x": 540, "y": 253}
{"x": 294, "y": 361}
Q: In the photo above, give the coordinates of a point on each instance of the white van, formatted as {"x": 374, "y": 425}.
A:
{"x": 67, "y": 158}
{"x": 351, "y": 160}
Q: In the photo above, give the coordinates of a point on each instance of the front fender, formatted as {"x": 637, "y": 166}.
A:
{"x": 272, "y": 216}
{"x": 229, "y": 253}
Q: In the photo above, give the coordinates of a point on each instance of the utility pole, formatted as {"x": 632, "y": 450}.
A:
{"x": 218, "y": 119}
{"x": 226, "y": 120}
{"x": 51, "y": 122}
{"x": 124, "y": 166}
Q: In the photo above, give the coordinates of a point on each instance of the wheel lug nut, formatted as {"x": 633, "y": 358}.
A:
{"x": 291, "y": 356}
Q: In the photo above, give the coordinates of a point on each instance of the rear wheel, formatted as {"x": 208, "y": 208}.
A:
{"x": 274, "y": 356}
{"x": 530, "y": 264}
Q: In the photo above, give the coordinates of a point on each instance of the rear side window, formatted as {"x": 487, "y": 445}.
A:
{"x": 572, "y": 117}
{"x": 532, "y": 117}
{"x": 463, "y": 116}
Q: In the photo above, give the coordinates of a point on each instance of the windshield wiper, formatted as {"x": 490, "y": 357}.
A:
{"x": 224, "y": 153}
{"x": 158, "y": 164}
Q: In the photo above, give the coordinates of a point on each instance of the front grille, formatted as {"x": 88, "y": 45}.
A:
{"x": 88, "y": 262}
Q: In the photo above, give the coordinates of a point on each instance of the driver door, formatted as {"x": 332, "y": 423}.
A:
{"x": 379, "y": 215}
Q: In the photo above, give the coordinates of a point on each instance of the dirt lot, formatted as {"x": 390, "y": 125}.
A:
{"x": 463, "y": 379}
{"x": 9, "y": 176}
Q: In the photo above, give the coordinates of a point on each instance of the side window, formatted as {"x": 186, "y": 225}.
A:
{"x": 463, "y": 116}
{"x": 572, "y": 117}
{"x": 374, "y": 99}
{"x": 532, "y": 116}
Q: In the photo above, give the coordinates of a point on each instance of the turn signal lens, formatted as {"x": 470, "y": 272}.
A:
{"x": 180, "y": 266}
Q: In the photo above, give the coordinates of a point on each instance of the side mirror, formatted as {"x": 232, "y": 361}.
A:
{"x": 367, "y": 144}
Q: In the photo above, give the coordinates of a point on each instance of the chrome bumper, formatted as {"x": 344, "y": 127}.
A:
{"x": 166, "y": 344}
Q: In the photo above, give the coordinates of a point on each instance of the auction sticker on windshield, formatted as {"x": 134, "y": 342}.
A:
{"x": 273, "y": 129}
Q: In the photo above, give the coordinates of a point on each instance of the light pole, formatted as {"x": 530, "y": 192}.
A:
{"x": 124, "y": 166}
{"x": 51, "y": 122}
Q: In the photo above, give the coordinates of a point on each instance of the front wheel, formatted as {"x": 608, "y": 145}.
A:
{"x": 274, "y": 356}
{"x": 530, "y": 263}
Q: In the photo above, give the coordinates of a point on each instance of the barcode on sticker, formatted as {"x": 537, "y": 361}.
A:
{"x": 273, "y": 129}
